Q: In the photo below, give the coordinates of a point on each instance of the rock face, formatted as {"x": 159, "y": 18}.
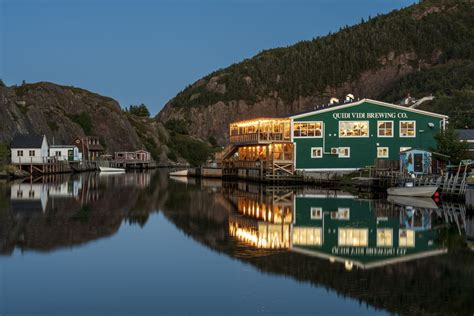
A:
{"x": 63, "y": 113}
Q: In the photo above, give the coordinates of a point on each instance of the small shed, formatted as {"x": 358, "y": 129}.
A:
{"x": 65, "y": 152}
{"x": 419, "y": 161}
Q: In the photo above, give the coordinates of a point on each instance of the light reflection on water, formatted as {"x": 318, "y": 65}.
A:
{"x": 140, "y": 243}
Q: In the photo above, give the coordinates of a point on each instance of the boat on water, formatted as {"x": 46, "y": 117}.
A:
{"x": 419, "y": 191}
{"x": 110, "y": 169}
{"x": 179, "y": 173}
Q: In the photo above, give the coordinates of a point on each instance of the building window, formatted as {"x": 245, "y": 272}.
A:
{"x": 57, "y": 154}
{"x": 385, "y": 128}
{"x": 382, "y": 152}
{"x": 19, "y": 153}
{"x": 307, "y": 236}
{"x": 31, "y": 194}
{"x": 32, "y": 153}
{"x": 343, "y": 213}
{"x": 406, "y": 238}
{"x": 354, "y": 129}
{"x": 384, "y": 237}
{"x": 19, "y": 193}
{"x": 353, "y": 237}
{"x": 309, "y": 129}
{"x": 316, "y": 212}
{"x": 407, "y": 128}
{"x": 344, "y": 152}
{"x": 316, "y": 152}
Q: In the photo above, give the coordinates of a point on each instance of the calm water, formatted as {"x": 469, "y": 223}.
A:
{"x": 144, "y": 244}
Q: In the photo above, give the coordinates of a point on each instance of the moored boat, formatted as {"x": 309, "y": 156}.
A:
{"x": 109, "y": 169}
{"x": 420, "y": 191}
{"x": 180, "y": 173}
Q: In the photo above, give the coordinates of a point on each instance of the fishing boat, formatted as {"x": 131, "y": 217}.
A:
{"x": 179, "y": 173}
{"x": 419, "y": 191}
{"x": 109, "y": 169}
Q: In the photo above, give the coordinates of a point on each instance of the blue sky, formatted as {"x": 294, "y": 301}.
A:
{"x": 147, "y": 51}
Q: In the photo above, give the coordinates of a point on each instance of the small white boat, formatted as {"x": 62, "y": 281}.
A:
{"x": 109, "y": 169}
{"x": 422, "y": 191}
{"x": 418, "y": 202}
{"x": 179, "y": 173}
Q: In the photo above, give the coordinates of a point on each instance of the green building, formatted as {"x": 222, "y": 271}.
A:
{"x": 349, "y": 136}
{"x": 339, "y": 137}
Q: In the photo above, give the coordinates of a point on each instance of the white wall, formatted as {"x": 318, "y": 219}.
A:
{"x": 40, "y": 154}
{"x": 64, "y": 153}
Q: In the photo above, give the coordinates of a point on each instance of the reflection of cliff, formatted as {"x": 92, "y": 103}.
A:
{"x": 437, "y": 285}
{"x": 96, "y": 211}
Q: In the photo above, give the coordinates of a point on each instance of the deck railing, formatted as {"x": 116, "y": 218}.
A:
{"x": 258, "y": 138}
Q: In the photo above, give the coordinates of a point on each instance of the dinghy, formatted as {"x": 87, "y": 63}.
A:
{"x": 109, "y": 169}
{"x": 422, "y": 191}
{"x": 179, "y": 173}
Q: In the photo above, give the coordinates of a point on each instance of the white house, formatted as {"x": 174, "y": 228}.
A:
{"x": 27, "y": 149}
{"x": 65, "y": 152}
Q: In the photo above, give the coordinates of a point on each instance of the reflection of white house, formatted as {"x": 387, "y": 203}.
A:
{"x": 29, "y": 196}
{"x": 65, "y": 189}
{"x": 27, "y": 149}
{"x": 65, "y": 152}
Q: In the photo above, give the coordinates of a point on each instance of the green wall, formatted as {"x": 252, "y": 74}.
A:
{"x": 363, "y": 150}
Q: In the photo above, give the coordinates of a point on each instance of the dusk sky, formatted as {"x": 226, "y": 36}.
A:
{"x": 147, "y": 51}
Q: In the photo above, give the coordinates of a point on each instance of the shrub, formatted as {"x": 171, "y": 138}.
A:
{"x": 84, "y": 120}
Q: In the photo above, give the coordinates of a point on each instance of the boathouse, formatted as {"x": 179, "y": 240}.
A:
{"x": 335, "y": 138}
{"x": 29, "y": 149}
{"x": 89, "y": 146}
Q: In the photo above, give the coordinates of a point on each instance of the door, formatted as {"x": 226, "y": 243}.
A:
{"x": 70, "y": 155}
{"x": 418, "y": 163}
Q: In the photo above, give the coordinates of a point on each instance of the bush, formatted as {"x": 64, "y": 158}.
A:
{"x": 448, "y": 144}
{"x": 177, "y": 126}
{"x": 139, "y": 110}
{"x": 194, "y": 151}
{"x": 84, "y": 120}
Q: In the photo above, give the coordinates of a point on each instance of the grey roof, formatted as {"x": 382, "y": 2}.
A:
{"x": 27, "y": 141}
{"x": 467, "y": 134}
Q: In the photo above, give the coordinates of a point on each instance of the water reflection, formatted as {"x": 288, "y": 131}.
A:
{"x": 403, "y": 255}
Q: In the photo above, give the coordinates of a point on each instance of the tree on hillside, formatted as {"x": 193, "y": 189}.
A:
{"x": 450, "y": 145}
{"x": 2, "y": 84}
{"x": 139, "y": 110}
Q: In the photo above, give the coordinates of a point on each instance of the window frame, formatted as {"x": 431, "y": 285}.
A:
{"x": 307, "y": 122}
{"x": 406, "y": 244}
{"x": 388, "y": 152}
{"x": 391, "y": 239}
{"x": 348, "y": 152}
{"x": 32, "y": 153}
{"x": 19, "y": 153}
{"x": 316, "y": 209}
{"x": 385, "y": 136}
{"x": 400, "y": 128}
{"x": 316, "y": 148}
{"x": 339, "y": 129}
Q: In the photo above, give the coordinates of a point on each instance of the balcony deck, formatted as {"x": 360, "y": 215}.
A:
{"x": 260, "y": 131}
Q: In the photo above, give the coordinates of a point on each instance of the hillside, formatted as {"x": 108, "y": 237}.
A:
{"x": 63, "y": 113}
{"x": 383, "y": 58}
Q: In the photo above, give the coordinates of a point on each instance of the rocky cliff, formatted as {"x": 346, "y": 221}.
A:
{"x": 370, "y": 60}
{"x": 63, "y": 113}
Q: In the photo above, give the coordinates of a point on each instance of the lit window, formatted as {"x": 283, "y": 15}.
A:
{"x": 344, "y": 152}
{"x": 316, "y": 152}
{"x": 384, "y": 237}
{"x": 354, "y": 129}
{"x": 355, "y": 237}
{"x": 309, "y": 129}
{"x": 316, "y": 213}
{"x": 307, "y": 236}
{"x": 382, "y": 152}
{"x": 406, "y": 238}
{"x": 385, "y": 128}
{"x": 407, "y": 128}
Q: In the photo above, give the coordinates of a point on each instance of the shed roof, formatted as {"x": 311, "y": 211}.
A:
{"x": 345, "y": 105}
{"x": 467, "y": 134}
{"x": 27, "y": 141}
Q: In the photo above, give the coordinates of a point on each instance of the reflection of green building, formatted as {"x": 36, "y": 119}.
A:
{"x": 356, "y": 232}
